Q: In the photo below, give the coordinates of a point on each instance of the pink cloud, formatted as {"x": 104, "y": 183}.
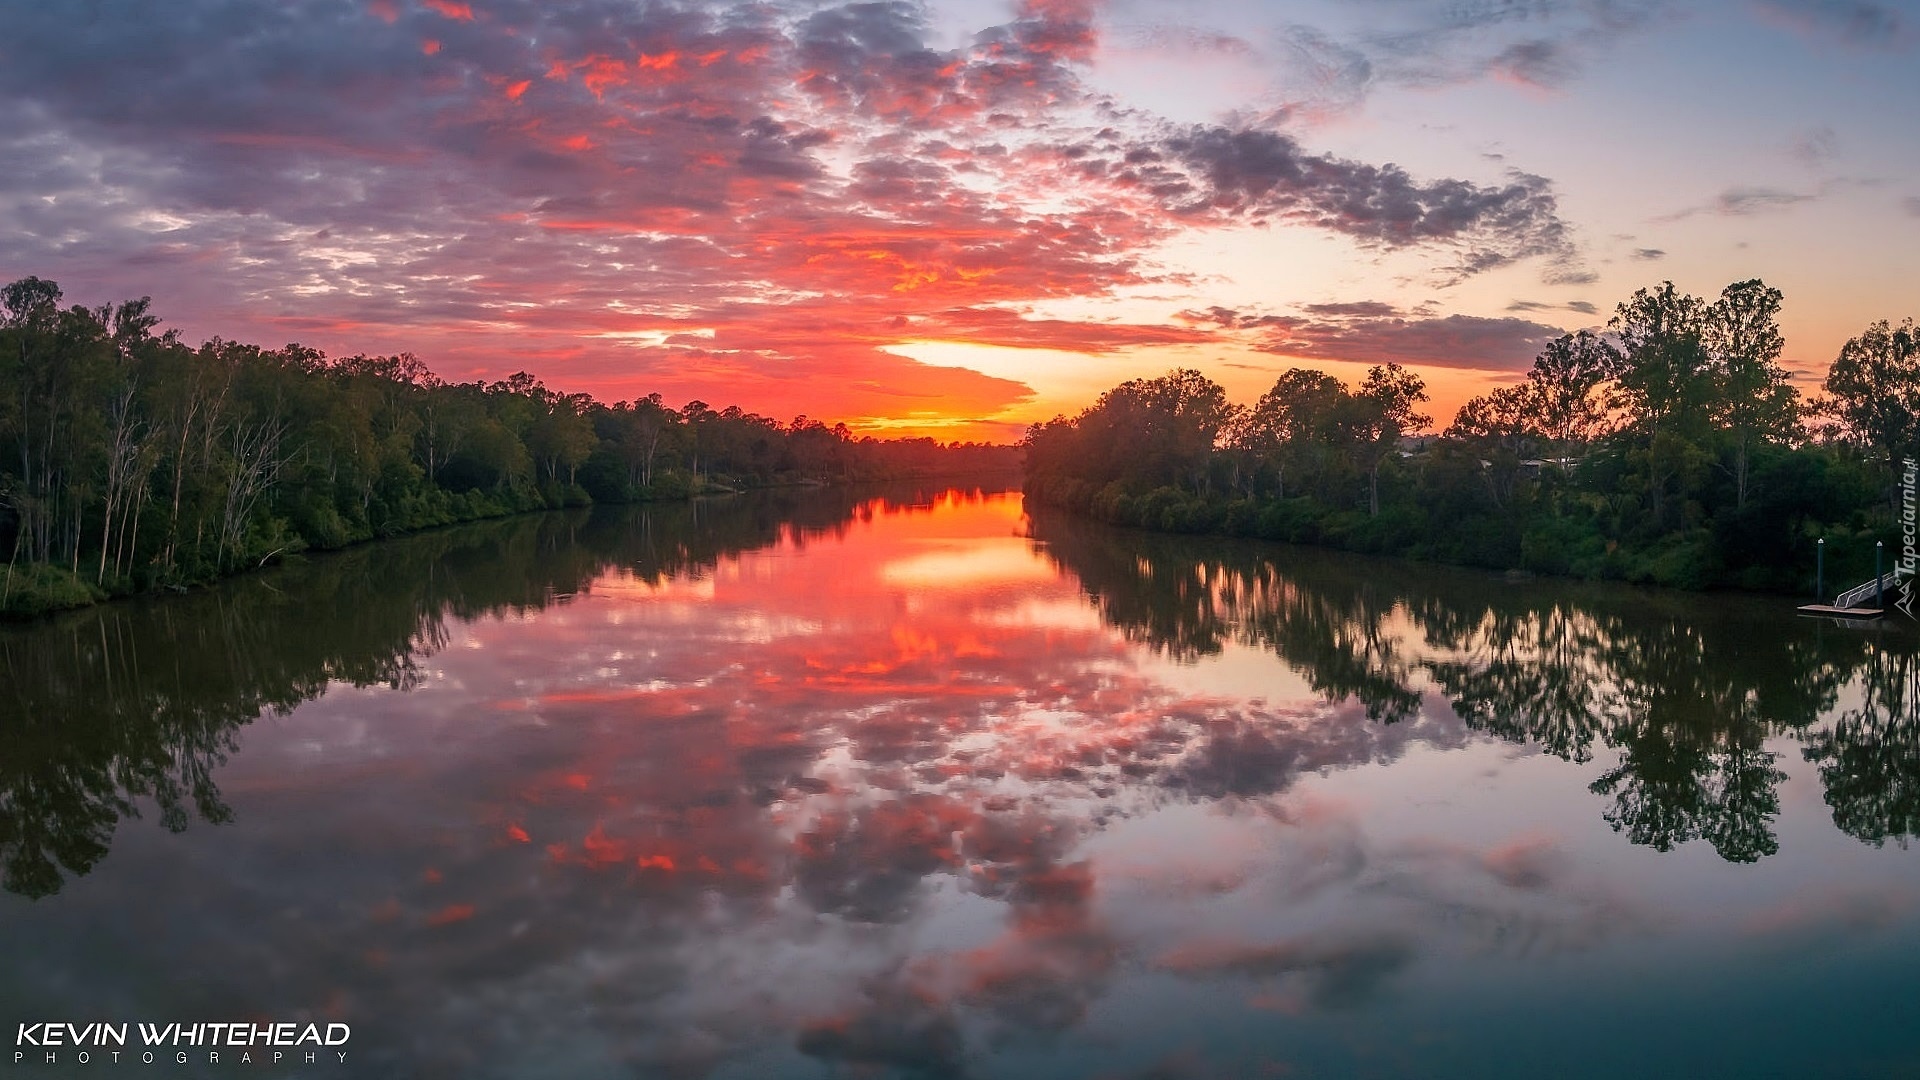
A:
{"x": 736, "y": 205}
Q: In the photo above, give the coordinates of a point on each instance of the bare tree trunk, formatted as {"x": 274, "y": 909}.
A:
{"x": 179, "y": 476}
{"x": 256, "y": 467}
{"x": 122, "y": 455}
{"x": 130, "y": 538}
{"x": 7, "y": 592}
{"x": 1740, "y": 476}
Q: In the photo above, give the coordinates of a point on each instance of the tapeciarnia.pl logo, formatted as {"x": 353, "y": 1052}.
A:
{"x": 1909, "y": 564}
{"x": 54, "y": 1042}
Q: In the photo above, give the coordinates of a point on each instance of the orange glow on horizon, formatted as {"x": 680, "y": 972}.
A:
{"x": 944, "y": 252}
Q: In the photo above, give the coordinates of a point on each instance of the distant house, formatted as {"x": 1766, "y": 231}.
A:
{"x": 1536, "y": 464}
{"x": 1412, "y": 445}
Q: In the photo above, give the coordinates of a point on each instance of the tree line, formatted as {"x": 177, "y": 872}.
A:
{"x": 130, "y": 460}
{"x": 1670, "y": 448}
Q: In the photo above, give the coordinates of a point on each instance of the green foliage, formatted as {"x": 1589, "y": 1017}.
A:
{"x": 37, "y": 588}
{"x": 1875, "y": 389}
{"x": 1674, "y": 454}
{"x": 130, "y": 461}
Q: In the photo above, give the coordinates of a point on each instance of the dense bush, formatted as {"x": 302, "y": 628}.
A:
{"x": 1671, "y": 451}
{"x": 131, "y": 460}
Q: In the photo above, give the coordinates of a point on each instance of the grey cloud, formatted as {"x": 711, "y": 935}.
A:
{"x": 890, "y": 28}
{"x": 1742, "y": 202}
{"x": 1540, "y": 63}
{"x": 1543, "y": 903}
{"x": 1531, "y": 863}
{"x": 1459, "y": 341}
{"x": 1259, "y": 753}
{"x": 1256, "y": 174}
{"x": 1372, "y": 332}
{"x": 1538, "y": 42}
{"x": 1581, "y": 306}
{"x": 1188, "y": 39}
{"x": 1855, "y": 22}
{"x": 1568, "y": 270}
{"x": 1235, "y": 320}
{"x": 893, "y": 182}
{"x": 1340, "y": 974}
{"x": 771, "y": 148}
{"x": 228, "y": 136}
{"x": 299, "y": 112}
{"x": 896, "y": 1030}
{"x": 1815, "y": 146}
{"x": 1441, "y": 42}
{"x": 1222, "y": 316}
{"x": 1360, "y": 307}
{"x": 1648, "y": 254}
{"x": 1182, "y": 1065}
{"x": 873, "y": 54}
{"x": 1319, "y": 72}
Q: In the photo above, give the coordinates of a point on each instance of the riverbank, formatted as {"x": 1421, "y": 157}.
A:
{"x": 1563, "y": 540}
{"x": 35, "y": 590}
{"x": 135, "y": 462}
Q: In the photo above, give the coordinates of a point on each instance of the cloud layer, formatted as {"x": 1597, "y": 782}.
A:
{"x": 673, "y": 197}
{"x": 1370, "y": 332}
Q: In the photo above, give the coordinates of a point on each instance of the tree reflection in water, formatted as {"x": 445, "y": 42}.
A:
{"x": 1869, "y": 756}
{"x": 1686, "y": 691}
{"x": 131, "y": 706}
{"x": 112, "y": 708}
{"x": 776, "y": 785}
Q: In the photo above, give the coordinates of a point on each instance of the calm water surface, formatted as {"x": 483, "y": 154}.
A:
{"x": 919, "y": 786}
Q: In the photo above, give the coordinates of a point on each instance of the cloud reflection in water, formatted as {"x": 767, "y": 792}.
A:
{"x": 878, "y": 793}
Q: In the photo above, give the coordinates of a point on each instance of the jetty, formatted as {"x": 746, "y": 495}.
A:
{"x": 1853, "y": 604}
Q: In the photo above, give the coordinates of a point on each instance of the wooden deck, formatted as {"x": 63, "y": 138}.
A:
{"x": 1827, "y": 611}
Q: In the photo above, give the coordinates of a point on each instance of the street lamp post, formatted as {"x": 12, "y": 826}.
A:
{"x": 1879, "y": 584}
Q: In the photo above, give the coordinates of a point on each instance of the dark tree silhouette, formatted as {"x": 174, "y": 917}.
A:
{"x": 1870, "y": 757}
{"x": 129, "y": 460}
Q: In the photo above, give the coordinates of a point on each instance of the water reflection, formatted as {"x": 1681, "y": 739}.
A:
{"x": 916, "y": 786}
{"x": 1687, "y": 691}
{"x": 1869, "y": 756}
{"x": 106, "y": 709}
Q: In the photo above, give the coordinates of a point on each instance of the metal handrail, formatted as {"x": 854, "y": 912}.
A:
{"x": 1855, "y": 596}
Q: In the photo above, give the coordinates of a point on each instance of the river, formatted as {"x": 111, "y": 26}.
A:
{"x": 910, "y": 783}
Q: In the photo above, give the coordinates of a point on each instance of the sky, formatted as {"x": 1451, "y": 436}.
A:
{"x": 958, "y": 219}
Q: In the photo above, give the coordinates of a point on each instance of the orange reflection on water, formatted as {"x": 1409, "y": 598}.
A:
{"x": 739, "y": 788}
{"x": 832, "y": 738}
{"x": 897, "y": 788}
{"x": 816, "y": 712}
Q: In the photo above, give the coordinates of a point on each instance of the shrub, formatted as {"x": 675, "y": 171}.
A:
{"x": 38, "y": 588}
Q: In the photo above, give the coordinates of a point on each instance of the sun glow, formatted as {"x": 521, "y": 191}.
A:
{"x": 1043, "y": 205}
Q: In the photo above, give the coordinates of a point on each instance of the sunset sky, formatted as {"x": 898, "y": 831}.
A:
{"x": 958, "y": 218}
